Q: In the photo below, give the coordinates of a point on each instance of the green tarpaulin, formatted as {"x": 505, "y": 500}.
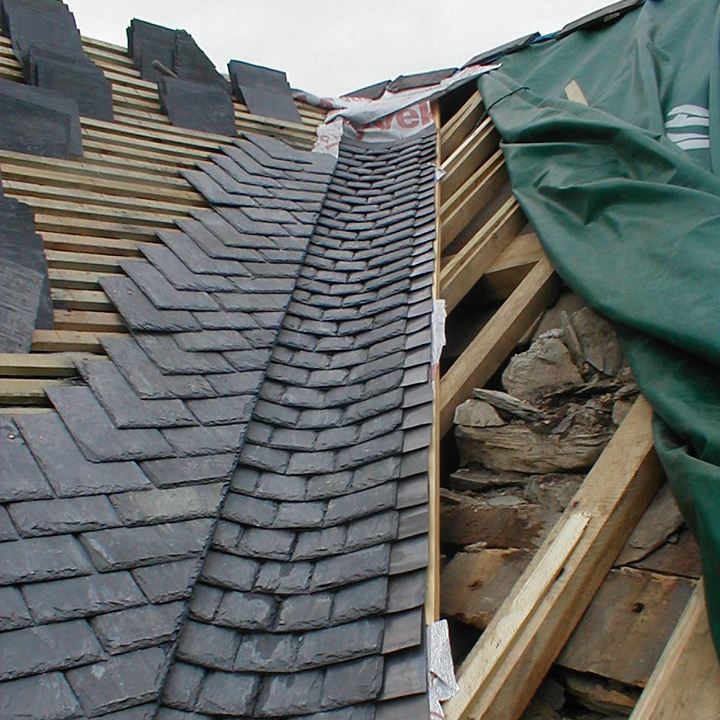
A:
{"x": 625, "y": 196}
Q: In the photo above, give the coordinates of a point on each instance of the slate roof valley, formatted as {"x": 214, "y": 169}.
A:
{"x": 226, "y": 513}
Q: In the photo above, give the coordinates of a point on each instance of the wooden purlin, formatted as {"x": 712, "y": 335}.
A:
{"x": 93, "y": 212}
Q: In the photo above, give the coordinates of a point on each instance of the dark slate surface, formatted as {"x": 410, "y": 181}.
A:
{"x": 230, "y": 519}
{"x": 264, "y": 90}
{"x": 47, "y": 44}
{"x": 38, "y": 121}
{"x": 197, "y": 97}
{"x": 197, "y": 105}
{"x": 25, "y": 302}
{"x": 329, "y": 496}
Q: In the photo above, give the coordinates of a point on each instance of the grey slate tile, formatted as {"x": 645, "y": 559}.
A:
{"x": 212, "y": 340}
{"x": 360, "y": 600}
{"x": 353, "y": 682}
{"x": 248, "y": 360}
{"x": 406, "y": 591}
{"x": 223, "y": 320}
{"x": 237, "y": 383}
{"x": 412, "y": 492}
{"x": 275, "y": 486}
{"x": 356, "y": 712}
{"x": 208, "y": 645}
{"x": 413, "y": 521}
{"x": 69, "y": 473}
{"x": 58, "y": 516}
{"x": 38, "y": 559}
{"x": 342, "y": 642}
{"x": 365, "y": 502}
{"x": 369, "y": 451}
{"x": 146, "y": 378}
{"x": 161, "y": 293}
{"x": 96, "y": 436}
{"x": 205, "y": 602}
{"x": 120, "y": 682}
{"x": 139, "y": 627}
{"x": 229, "y": 571}
{"x": 14, "y": 614}
{"x": 7, "y": 530}
{"x": 375, "y": 473}
{"x": 403, "y": 630}
{"x": 182, "y": 685}
{"x": 139, "y": 313}
{"x": 172, "y": 360}
{"x": 140, "y": 712}
{"x": 246, "y": 611}
{"x": 351, "y": 567}
{"x": 320, "y": 543}
{"x": 408, "y": 555}
{"x": 299, "y": 514}
{"x": 415, "y": 706}
{"x": 177, "y": 471}
{"x": 20, "y": 477}
{"x": 267, "y": 652}
{"x": 46, "y": 696}
{"x": 168, "y": 581}
{"x": 228, "y": 694}
{"x": 249, "y": 510}
{"x": 196, "y": 258}
{"x": 267, "y": 544}
{"x": 180, "y": 275}
{"x": 124, "y": 548}
{"x": 405, "y": 674}
{"x": 283, "y": 695}
{"x": 372, "y": 530}
{"x": 159, "y": 506}
{"x": 166, "y": 713}
{"x": 37, "y": 650}
{"x": 304, "y": 612}
{"x": 125, "y": 408}
{"x": 82, "y": 596}
{"x": 223, "y": 411}
{"x": 284, "y": 578}
{"x": 205, "y": 440}
{"x": 381, "y": 424}
{"x": 217, "y": 237}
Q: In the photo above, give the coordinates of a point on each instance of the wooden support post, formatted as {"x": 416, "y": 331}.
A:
{"x": 504, "y": 669}
{"x": 686, "y": 680}
{"x": 496, "y": 340}
{"x": 432, "y": 595}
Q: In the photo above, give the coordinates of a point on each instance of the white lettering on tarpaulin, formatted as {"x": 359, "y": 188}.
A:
{"x": 694, "y": 122}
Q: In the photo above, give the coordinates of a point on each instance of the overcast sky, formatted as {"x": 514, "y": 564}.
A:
{"x": 329, "y": 47}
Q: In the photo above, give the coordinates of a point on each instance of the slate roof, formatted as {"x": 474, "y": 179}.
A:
{"x": 229, "y": 516}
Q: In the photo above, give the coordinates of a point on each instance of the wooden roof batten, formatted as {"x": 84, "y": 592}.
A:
{"x": 496, "y": 250}
{"x": 92, "y": 212}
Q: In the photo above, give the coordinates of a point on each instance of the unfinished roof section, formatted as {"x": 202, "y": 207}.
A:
{"x": 225, "y": 510}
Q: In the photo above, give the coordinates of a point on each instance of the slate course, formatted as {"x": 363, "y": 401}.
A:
{"x": 229, "y": 516}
